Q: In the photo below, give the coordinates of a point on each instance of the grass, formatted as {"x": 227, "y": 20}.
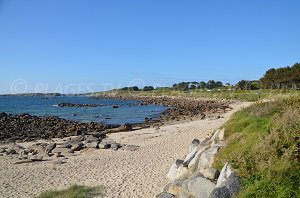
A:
{"x": 263, "y": 145}
{"x": 74, "y": 191}
{"x": 223, "y": 93}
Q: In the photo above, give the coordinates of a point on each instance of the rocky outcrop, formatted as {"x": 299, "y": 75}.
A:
{"x": 25, "y": 127}
{"x": 79, "y": 105}
{"x": 179, "y": 107}
{"x": 195, "y": 177}
{"x": 62, "y": 148}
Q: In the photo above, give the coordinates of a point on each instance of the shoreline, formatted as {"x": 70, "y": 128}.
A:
{"x": 139, "y": 173}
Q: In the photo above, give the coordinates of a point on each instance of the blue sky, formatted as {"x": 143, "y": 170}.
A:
{"x": 58, "y": 44}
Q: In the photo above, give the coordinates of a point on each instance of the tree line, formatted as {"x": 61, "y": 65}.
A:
{"x": 280, "y": 78}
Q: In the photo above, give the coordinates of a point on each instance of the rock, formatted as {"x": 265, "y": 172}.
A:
{"x": 92, "y": 145}
{"x": 195, "y": 143}
{"x": 225, "y": 173}
{"x": 192, "y": 166}
{"x": 65, "y": 145}
{"x": 176, "y": 187}
{"x": 35, "y": 149}
{"x": 11, "y": 152}
{"x": 77, "y": 146}
{"x": 189, "y": 157}
{"x": 198, "y": 187}
{"x": 123, "y": 128}
{"x": 207, "y": 158}
{"x": 221, "y": 134}
{"x": 62, "y": 150}
{"x": 50, "y": 147}
{"x": 90, "y": 138}
{"x": 115, "y": 146}
{"x": 220, "y": 192}
{"x": 210, "y": 173}
{"x": 14, "y": 146}
{"x": 58, "y": 154}
{"x": 35, "y": 157}
{"x": 233, "y": 184}
{"x": 171, "y": 176}
{"x": 165, "y": 195}
{"x": 182, "y": 173}
{"x": 178, "y": 162}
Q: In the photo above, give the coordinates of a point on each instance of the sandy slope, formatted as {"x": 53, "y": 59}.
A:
{"x": 139, "y": 173}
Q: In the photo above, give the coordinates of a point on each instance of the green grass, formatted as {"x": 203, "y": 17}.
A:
{"x": 263, "y": 145}
{"x": 75, "y": 191}
{"x": 242, "y": 95}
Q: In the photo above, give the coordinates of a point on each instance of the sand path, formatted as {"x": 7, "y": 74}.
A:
{"x": 125, "y": 174}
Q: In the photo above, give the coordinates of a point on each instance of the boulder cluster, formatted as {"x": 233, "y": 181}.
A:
{"x": 179, "y": 107}
{"x": 60, "y": 148}
{"x": 195, "y": 177}
{"x": 25, "y": 127}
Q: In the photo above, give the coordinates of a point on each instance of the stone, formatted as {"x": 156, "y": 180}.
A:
{"x": 221, "y": 134}
{"x": 115, "y": 146}
{"x": 65, "y": 145}
{"x": 192, "y": 166}
{"x": 35, "y": 157}
{"x": 92, "y": 145}
{"x": 225, "y": 173}
{"x": 207, "y": 158}
{"x": 198, "y": 187}
{"x": 50, "y": 147}
{"x": 35, "y": 149}
{"x": 195, "y": 143}
{"x": 62, "y": 150}
{"x": 11, "y": 152}
{"x": 165, "y": 195}
{"x": 233, "y": 184}
{"x": 58, "y": 154}
{"x": 189, "y": 157}
{"x": 220, "y": 192}
{"x": 176, "y": 187}
{"x": 211, "y": 173}
{"x": 77, "y": 146}
{"x": 171, "y": 176}
{"x": 14, "y": 146}
{"x": 182, "y": 172}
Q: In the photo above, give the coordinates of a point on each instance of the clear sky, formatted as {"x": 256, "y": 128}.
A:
{"x": 60, "y": 45}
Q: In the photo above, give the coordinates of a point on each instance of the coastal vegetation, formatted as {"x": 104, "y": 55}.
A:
{"x": 74, "y": 191}
{"x": 263, "y": 145}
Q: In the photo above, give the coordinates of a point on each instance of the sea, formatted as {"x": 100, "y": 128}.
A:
{"x": 128, "y": 111}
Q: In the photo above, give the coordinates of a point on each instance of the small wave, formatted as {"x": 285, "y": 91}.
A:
{"x": 55, "y": 105}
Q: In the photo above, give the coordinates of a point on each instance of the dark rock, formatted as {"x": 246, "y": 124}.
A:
{"x": 50, "y": 147}
{"x": 220, "y": 192}
{"x": 228, "y": 188}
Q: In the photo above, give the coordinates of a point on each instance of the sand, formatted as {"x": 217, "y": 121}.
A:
{"x": 140, "y": 173}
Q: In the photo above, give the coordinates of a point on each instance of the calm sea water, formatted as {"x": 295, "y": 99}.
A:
{"x": 106, "y": 114}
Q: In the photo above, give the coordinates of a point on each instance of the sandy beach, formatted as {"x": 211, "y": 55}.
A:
{"x": 140, "y": 173}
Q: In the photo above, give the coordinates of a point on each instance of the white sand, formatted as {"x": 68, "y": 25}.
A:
{"x": 126, "y": 174}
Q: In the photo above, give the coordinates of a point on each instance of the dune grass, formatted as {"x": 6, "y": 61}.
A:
{"x": 74, "y": 191}
{"x": 263, "y": 145}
